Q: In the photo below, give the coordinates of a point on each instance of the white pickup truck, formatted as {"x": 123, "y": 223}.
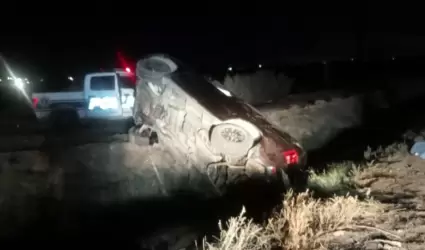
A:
{"x": 105, "y": 96}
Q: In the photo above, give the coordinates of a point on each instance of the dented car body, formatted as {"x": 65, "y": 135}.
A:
{"x": 222, "y": 133}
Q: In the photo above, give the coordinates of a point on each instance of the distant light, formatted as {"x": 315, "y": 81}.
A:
{"x": 324, "y": 62}
{"x": 0, "y": 80}
{"x": 230, "y": 69}
{"x": 260, "y": 66}
{"x": 19, "y": 83}
{"x": 70, "y": 78}
{"x": 393, "y": 58}
{"x": 352, "y": 59}
{"x": 9, "y": 78}
{"x": 128, "y": 70}
{"x": 41, "y": 80}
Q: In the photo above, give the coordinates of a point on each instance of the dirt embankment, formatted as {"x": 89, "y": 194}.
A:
{"x": 400, "y": 186}
{"x": 316, "y": 124}
{"x": 376, "y": 204}
{"x": 103, "y": 193}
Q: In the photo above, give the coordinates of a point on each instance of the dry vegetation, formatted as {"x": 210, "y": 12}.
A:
{"x": 314, "y": 125}
{"x": 250, "y": 87}
{"x": 349, "y": 206}
{"x": 345, "y": 220}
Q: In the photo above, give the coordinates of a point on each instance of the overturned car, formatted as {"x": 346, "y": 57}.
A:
{"x": 205, "y": 125}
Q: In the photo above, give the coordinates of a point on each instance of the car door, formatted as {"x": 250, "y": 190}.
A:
{"x": 126, "y": 83}
{"x": 102, "y": 94}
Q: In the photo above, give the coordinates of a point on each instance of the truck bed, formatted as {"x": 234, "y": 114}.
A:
{"x": 58, "y": 96}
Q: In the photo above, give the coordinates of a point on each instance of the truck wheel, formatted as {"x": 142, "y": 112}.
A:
{"x": 135, "y": 138}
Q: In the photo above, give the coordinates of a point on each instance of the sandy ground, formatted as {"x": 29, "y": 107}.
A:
{"x": 315, "y": 124}
{"x": 405, "y": 195}
{"x": 104, "y": 193}
{"x": 400, "y": 187}
{"x": 52, "y": 184}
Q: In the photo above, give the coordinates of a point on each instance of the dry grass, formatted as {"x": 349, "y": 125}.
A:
{"x": 303, "y": 223}
{"x": 240, "y": 233}
{"x": 308, "y": 223}
{"x": 314, "y": 125}
{"x": 250, "y": 87}
{"x": 393, "y": 152}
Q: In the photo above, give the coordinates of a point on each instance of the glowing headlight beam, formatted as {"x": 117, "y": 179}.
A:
{"x": 224, "y": 91}
{"x": 19, "y": 83}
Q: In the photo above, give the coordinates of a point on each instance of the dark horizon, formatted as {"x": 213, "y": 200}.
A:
{"x": 208, "y": 42}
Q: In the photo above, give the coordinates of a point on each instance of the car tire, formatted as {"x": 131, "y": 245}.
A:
{"x": 135, "y": 138}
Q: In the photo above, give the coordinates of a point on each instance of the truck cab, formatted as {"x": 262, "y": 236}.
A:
{"x": 104, "y": 96}
{"x": 109, "y": 95}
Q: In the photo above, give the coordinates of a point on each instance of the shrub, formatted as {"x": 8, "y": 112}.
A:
{"x": 259, "y": 87}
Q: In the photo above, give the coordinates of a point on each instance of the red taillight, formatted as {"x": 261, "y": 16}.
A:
{"x": 291, "y": 157}
{"x": 34, "y": 102}
{"x": 128, "y": 70}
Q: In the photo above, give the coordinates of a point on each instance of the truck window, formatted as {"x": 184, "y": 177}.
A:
{"x": 127, "y": 82}
{"x": 102, "y": 83}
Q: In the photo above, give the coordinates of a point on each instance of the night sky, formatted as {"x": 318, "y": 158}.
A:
{"x": 60, "y": 46}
